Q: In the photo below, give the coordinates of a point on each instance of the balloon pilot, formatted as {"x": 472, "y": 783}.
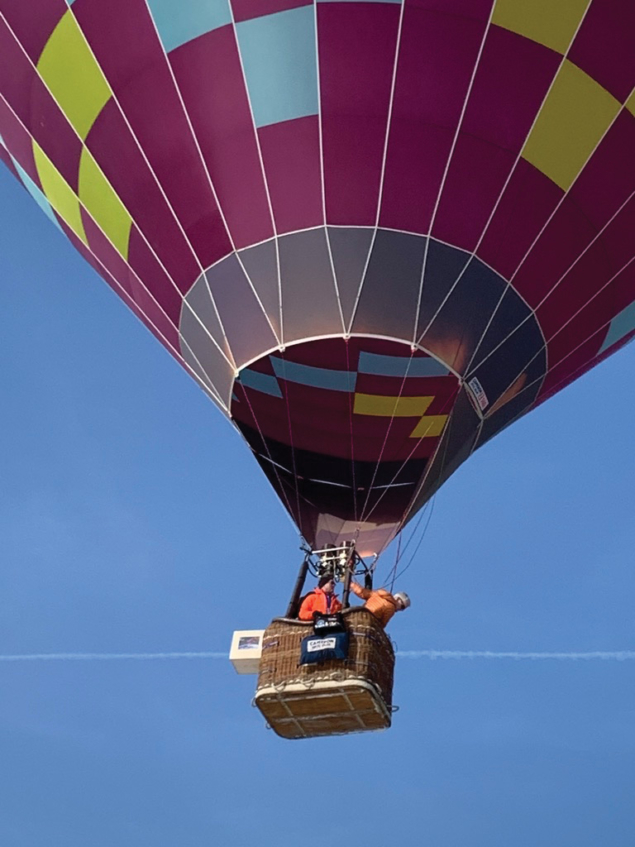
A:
{"x": 381, "y": 603}
{"x": 322, "y": 600}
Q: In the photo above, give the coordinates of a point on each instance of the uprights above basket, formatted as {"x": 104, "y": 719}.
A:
{"x": 341, "y": 561}
{"x": 338, "y": 561}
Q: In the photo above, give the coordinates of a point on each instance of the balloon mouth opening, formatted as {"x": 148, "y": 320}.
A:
{"x": 344, "y": 431}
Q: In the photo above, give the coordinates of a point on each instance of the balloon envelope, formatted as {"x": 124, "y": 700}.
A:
{"x": 375, "y": 232}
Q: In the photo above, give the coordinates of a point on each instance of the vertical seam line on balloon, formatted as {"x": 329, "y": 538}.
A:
{"x": 262, "y": 168}
{"x": 375, "y": 227}
{"x": 137, "y": 227}
{"x": 364, "y": 516}
{"x": 285, "y": 389}
{"x": 443, "y": 441}
{"x": 322, "y": 171}
{"x": 446, "y": 170}
{"x": 150, "y": 168}
{"x": 208, "y": 175}
{"x": 407, "y": 459}
{"x": 266, "y": 447}
{"x": 509, "y": 283}
{"x": 350, "y": 425}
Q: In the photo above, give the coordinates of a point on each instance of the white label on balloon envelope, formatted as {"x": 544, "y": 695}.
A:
{"x": 479, "y": 393}
{"x": 320, "y": 644}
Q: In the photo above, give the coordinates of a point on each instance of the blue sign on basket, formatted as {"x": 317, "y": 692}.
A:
{"x": 324, "y": 648}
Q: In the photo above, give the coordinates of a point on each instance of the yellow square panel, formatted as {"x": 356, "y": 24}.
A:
{"x": 73, "y": 76}
{"x": 428, "y": 426}
{"x": 389, "y": 407}
{"x": 573, "y": 119}
{"x": 100, "y": 201}
{"x": 549, "y": 22}
{"x": 58, "y": 192}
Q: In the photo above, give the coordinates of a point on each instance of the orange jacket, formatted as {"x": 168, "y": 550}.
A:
{"x": 317, "y": 602}
{"x": 380, "y": 602}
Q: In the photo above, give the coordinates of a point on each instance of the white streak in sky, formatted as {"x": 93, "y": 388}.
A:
{"x": 100, "y": 657}
{"x": 618, "y": 655}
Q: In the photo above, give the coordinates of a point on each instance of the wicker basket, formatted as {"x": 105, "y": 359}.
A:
{"x": 331, "y": 698}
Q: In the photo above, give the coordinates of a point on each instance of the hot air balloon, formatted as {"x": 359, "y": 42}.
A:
{"x": 376, "y": 233}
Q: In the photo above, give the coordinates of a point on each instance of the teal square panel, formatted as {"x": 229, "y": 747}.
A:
{"x": 180, "y": 21}
{"x": 620, "y": 326}
{"x": 36, "y": 193}
{"x": 279, "y": 57}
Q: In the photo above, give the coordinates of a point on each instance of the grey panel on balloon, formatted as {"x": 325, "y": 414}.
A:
{"x": 206, "y": 385}
{"x": 197, "y": 303}
{"x": 456, "y": 446}
{"x": 248, "y": 332}
{"x": 350, "y": 247}
{"x": 517, "y": 363}
{"x": 520, "y": 356}
{"x": 195, "y": 327}
{"x": 444, "y": 265}
{"x": 510, "y": 313}
{"x": 390, "y": 291}
{"x": 309, "y": 301}
{"x": 261, "y": 264}
{"x": 456, "y": 331}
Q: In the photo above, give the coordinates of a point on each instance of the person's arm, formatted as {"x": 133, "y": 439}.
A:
{"x": 306, "y": 609}
{"x": 364, "y": 593}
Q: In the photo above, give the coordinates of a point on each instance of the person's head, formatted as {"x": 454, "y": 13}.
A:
{"x": 327, "y": 583}
{"x": 403, "y": 601}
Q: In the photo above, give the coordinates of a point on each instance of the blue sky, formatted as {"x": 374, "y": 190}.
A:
{"x": 133, "y": 520}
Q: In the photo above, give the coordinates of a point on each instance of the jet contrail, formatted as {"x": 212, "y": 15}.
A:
{"x": 100, "y": 657}
{"x": 617, "y": 655}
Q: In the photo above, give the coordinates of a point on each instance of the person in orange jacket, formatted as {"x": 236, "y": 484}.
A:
{"x": 380, "y": 602}
{"x": 321, "y": 600}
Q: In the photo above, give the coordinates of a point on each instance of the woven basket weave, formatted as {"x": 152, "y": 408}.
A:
{"x": 334, "y": 697}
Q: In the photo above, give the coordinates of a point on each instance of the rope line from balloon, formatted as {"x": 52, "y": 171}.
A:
{"x": 274, "y": 464}
{"x": 363, "y": 516}
{"x": 351, "y": 431}
{"x": 293, "y": 462}
{"x": 442, "y": 464}
{"x": 444, "y": 408}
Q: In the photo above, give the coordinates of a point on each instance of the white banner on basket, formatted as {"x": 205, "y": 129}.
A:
{"x": 320, "y": 644}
